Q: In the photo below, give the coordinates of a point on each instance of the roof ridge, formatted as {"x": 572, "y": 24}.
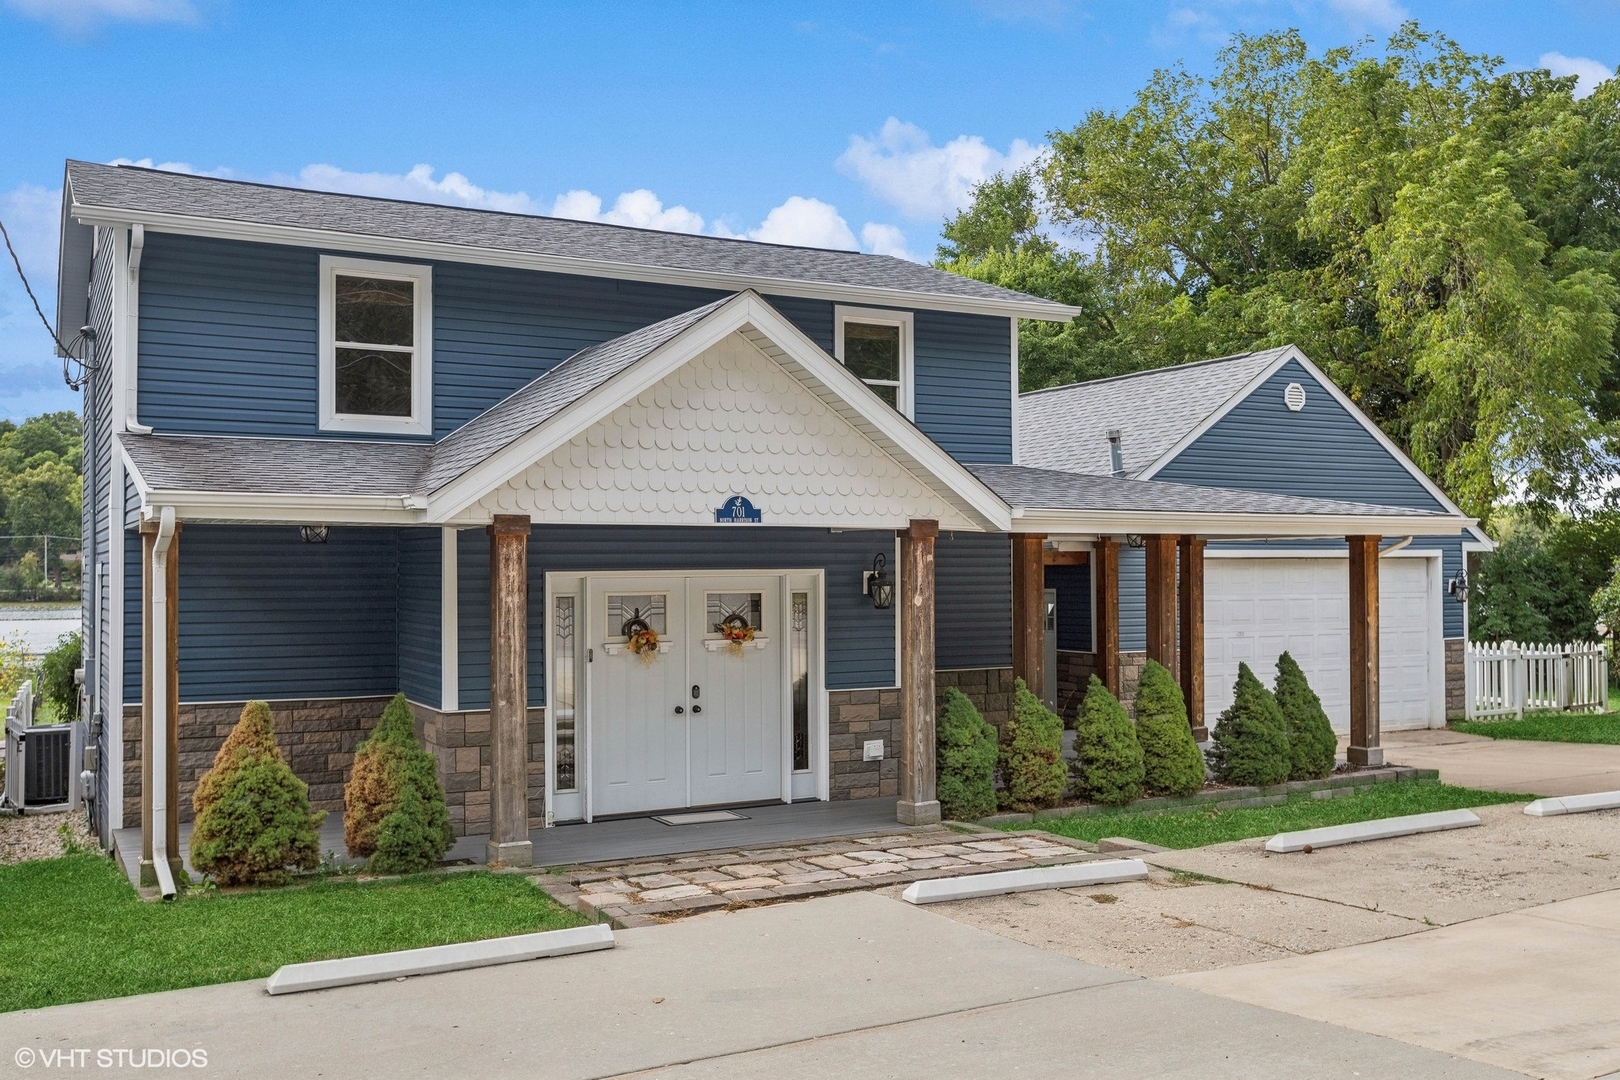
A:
{"x": 487, "y": 210}
{"x": 1157, "y": 370}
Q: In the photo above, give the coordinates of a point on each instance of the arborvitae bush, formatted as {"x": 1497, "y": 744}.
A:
{"x": 254, "y": 820}
{"x": 393, "y": 805}
{"x": 965, "y": 760}
{"x": 1251, "y": 738}
{"x": 1171, "y": 760}
{"x": 1032, "y": 754}
{"x": 1108, "y": 763}
{"x": 1312, "y": 746}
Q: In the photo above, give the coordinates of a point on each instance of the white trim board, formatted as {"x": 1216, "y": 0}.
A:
{"x": 332, "y": 239}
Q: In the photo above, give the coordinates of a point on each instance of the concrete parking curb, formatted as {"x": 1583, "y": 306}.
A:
{"x": 1574, "y": 804}
{"x": 1383, "y": 829}
{"x": 938, "y": 890}
{"x": 321, "y": 974}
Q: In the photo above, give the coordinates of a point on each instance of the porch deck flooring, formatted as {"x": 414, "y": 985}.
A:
{"x": 627, "y": 838}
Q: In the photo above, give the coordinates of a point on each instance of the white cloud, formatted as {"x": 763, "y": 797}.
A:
{"x": 902, "y": 166}
{"x": 882, "y": 239}
{"x": 418, "y": 185}
{"x": 640, "y": 208}
{"x": 1384, "y": 14}
{"x": 30, "y": 374}
{"x": 1588, "y": 72}
{"x": 80, "y": 15}
{"x": 805, "y": 223}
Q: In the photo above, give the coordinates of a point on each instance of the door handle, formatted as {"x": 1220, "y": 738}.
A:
{"x": 679, "y": 710}
{"x": 697, "y": 708}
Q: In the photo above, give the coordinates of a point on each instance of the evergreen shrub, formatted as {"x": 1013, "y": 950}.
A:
{"x": 1251, "y": 737}
{"x": 253, "y": 818}
{"x": 394, "y": 811}
{"x": 1108, "y": 764}
{"x": 1312, "y": 746}
{"x": 1172, "y": 763}
{"x": 966, "y": 760}
{"x": 1032, "y": 754}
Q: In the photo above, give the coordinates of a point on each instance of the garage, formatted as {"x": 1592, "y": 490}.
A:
{"x": 1257, "y": 608}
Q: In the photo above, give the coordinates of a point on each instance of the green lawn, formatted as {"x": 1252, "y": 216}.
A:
{"x": 1549, "y": 727}
{"x": 72, "y": 929}
{"x": 1199, "y": 827}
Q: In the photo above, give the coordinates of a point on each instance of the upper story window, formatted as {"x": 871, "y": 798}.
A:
{"x": 876, "y": 345}
{"x": 376, "y": 327}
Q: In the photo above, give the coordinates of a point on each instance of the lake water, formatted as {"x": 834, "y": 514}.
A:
{"x": 37, "y": 627}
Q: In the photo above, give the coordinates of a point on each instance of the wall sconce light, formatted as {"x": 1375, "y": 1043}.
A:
{"x": 313, "y": 534}
{"x": 1135, "y": 540}
{"x": 1458, "y": 587}
{"x": 877, "y": 584}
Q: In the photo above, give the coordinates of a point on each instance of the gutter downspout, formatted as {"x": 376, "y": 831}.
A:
{"x": 160, "y": 703}
{"x": 1393, "y": 548}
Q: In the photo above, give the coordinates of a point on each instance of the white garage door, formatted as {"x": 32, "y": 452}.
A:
{"x": 1254, "y": 609}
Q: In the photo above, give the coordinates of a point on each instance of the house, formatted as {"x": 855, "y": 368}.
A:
{"x": 1268, "y": 421}
{"x": 636, "y": 520}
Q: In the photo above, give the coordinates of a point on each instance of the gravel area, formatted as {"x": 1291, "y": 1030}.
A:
{"x": 38, "y": 836}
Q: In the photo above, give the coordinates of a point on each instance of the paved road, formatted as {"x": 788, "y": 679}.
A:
{"x": 853, "y": 986}
{"x": 38, "y": 628}
{"x": 1534, "y": 768}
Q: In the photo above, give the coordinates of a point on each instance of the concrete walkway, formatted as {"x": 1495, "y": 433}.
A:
{"x": 853, "y": 986}
{"x": 1534, "y": 768}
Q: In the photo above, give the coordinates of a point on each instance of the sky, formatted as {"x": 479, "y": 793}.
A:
{"x": 832, "y": 124}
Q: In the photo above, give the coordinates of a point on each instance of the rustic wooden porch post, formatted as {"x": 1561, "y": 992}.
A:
{"x": 171, "y": 631}
{"x": 1364, "y": 737}
{"x": 1161, "y": 599}
{"x": 1029, "y": 610}
{"x": 509, "y": 842}
{"x": 919, "y": 804}
{"x": 1106, "y": 615}
{"x": 1192, "y": 632}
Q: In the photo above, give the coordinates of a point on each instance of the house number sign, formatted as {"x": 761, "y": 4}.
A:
{"x": 737, "y": 510}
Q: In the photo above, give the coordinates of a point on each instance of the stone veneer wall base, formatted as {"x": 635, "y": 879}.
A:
{"x": 318, "y": 737}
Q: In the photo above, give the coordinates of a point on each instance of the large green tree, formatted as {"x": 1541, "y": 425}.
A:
{"x": 1442, "y": 235}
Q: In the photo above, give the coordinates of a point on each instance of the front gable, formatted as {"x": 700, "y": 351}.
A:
{"x": 731, "y": 421}
{"x": 1322, "y": 450}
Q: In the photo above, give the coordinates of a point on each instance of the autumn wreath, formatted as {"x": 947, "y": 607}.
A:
{"x": 737, "y": 632}
{"x": 641, "y": 639}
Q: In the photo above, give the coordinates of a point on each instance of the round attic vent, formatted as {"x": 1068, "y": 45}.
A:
{"x": 1294, "y": 397}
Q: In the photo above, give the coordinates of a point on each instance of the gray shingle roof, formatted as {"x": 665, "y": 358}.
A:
{"x": 153, "y": 191}
{"x": 1066, "y": 427}
{"x": 277, "y": 466}
{"x": 1051, "y": 489}
{"x": 540, "y": 400}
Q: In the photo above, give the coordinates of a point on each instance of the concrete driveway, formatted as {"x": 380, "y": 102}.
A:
{"x": 853, "y": 986}
{"x": 1534, "y": 768}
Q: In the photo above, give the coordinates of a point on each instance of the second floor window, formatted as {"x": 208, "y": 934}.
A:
{"x": 875, "y": 345}
{"x": 375, "y": 344}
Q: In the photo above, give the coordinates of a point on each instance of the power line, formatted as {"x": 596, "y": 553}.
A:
{"x": 30, "y": 289}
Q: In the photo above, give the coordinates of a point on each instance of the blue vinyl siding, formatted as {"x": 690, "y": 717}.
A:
{"x": 228, "y": 342}
{"x": 419, "y": 622}
{"x": 228, "y": 337}
{"x": 860, "y": 640}
{"x": 1321, "y": 451}
{"x": 1073, "y": 585}
{"x": 973, "y": 609}
{"x": 963, "y": 383}
{"x": 265, "y": 615}
{"x": 1132, "y": 599}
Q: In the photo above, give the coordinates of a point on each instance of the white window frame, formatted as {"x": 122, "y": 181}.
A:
{"x": 420, "y": 421}
{"x": 905, "y": 397}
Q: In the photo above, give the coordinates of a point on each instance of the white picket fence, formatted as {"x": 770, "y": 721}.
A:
{"x": 1512, "y": 678}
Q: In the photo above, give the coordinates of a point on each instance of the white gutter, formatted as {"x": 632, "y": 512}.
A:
{"x": 160, "y": 703}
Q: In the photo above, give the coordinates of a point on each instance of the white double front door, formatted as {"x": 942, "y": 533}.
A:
{"x": 678, "y": 714}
